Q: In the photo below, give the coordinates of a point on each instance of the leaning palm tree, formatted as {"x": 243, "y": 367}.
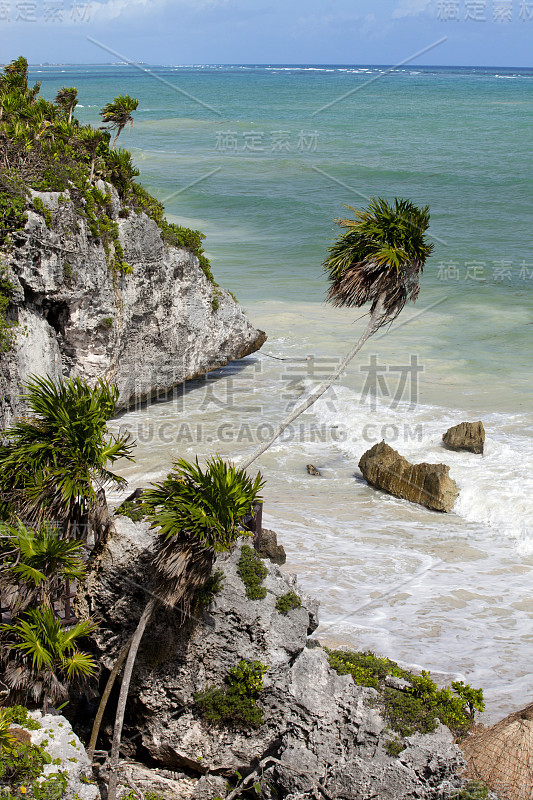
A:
{"x": 92, "y": 138}
{"x": 67, "y": 99}
{"x": 197, "y": 513}
{"x": 118, "y": 114}
{"x": 55, "y": 465}
{"x": 15, "y": 74}
{"x": 378, "y": 260}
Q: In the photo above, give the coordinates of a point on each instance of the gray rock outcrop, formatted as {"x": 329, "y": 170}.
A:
{"x": 468, "y": 436}
{"x": 65, "y": 749}
{"x": 148, "y": 331}
{"x": 319, "y": 728}
{"x": 269, "y": 547}
{"x": 427, "y": 484}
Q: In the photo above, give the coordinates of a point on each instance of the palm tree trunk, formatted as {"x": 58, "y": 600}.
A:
{"x": 92, "y": 171}
{"x": 105, "y": 697}
{"x": 116, "y": 137}
{"x": 369, "y": 330}
{"x": 123, "y": 698}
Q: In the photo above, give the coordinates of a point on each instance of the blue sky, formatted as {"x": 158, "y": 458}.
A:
{"x": 479, "y": 32}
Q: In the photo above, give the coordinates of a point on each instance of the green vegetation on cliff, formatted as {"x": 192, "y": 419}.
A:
{"x": 288, "y": 601}
{"x": 417, "y": 707}
{"x": 252, "y": 572}
{"x": 6, "y": 325}
{"x": 44, "y": 148}
{"x": 235, "y": 705}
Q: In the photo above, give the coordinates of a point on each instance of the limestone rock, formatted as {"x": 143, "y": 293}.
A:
{"x": 318, "y": 725}
{"x": 427, "y": 484}
{"x": 209, "y": 787}
{"x": 147, "y": 331}
{"x": 269, "y": 547}
{"x": 466, "y": 436}
{"x": 61, "y": 742}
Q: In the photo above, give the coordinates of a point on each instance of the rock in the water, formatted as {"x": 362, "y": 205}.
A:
{"x": 269, "y": 547}
{"x": 318, "y": 726}
{"x": 427, "y": 484}
{"x": 312, "y": 470}
{"x": 466, "y": 436}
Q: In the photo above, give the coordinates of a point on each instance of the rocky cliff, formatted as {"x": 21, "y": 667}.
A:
{"x": 321, "y": 735}
{"x": 149, "y": 330}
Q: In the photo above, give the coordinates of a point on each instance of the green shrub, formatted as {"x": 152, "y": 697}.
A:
{"x": 407, "y": 714}
{"x": 21, "y": 772}
{"x": 177, "y": 236}
{"x": 473, "y": 790}
{"x": 18, "y": 715}
{"x": 235, "y": 705}
{"x": 416, "y": 708}
{"x": 215, "y": 302}
{"x": 367, "y": 669}
{"x": 252, "y": 572}
{"x": 12, "y": 214}
{"x": 219, "y": 705}
{"x": 6, "y": 326}
{"x": 246, "y": 678}
{"x": 394, "y": 747}
{"x": 288, "y": 601}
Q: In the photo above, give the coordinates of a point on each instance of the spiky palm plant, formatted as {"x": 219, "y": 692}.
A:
{"x": 7, "y": 740}
{"x": 41, "y": 658}
{"x": 35, "y": 564}
{"x": 118, "y": 114}
{"x": 120, "y": 169}
{"x": 67, "y": 99}
{"x": 378, "y": 260}
{"x": 55, "y": 464}
{"x": 12, "y": 102}
{"x": 197, "y": 512}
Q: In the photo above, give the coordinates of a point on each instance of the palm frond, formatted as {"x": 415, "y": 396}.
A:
{"x": 381, "y": 255}
{"x": 58, "y": 458}
{"x": 197, "y": 511}
{"x": 41, "y": 658}
{"x": 79, "y": 665}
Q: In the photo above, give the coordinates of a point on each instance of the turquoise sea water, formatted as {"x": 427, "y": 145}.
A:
{"x": 264, "y": 178}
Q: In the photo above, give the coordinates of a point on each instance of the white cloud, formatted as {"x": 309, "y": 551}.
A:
{"x": 410, "y": 8}
{"x": 112, "y": 9}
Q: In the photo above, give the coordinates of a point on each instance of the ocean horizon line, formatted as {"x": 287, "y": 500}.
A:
{"x": 287, "y": 65}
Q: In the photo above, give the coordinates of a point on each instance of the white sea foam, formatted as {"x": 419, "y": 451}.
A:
{"x": 496, "y": 489}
